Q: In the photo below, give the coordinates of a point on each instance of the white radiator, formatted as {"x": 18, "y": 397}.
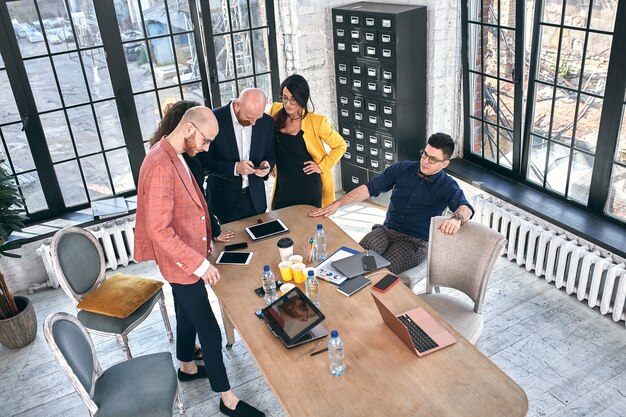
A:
{"x": 561, "y": 260}
{"x": 116, "y": 237}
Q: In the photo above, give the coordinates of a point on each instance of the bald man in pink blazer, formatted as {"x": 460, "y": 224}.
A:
{"x": 173, "y": 228}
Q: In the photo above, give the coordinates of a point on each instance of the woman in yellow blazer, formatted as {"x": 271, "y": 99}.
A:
{"x": 303, "y": 167}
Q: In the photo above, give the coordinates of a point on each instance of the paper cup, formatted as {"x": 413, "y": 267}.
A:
{"x": 285, "y": 288}
{"x": 306, "y": 272}
{"x": 285, "y": 270}
{"x": 295, "y": 259}
{"x": 298, "y": 275}
{"x": 285, "y": 248}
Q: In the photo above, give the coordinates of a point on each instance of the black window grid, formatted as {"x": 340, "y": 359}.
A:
{"x": 493, "y": 143}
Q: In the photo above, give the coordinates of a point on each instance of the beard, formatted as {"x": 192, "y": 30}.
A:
{"x": 190, "y": 147}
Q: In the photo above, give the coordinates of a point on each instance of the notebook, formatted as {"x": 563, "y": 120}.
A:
{"x": 436, "y": 336}
{"x": 294, "y": 319}
{"x": 354, "y": 285}
{"x": 352, "y": 266}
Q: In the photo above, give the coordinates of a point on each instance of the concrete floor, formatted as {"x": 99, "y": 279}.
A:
{"x": 568, "y": 358}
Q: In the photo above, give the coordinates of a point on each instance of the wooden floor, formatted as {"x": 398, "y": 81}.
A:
{"x": 569, "y": 359}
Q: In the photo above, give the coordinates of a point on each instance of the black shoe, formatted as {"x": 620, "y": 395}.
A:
{"x": 243, "y": 409}
{"x": 185, "y": 377}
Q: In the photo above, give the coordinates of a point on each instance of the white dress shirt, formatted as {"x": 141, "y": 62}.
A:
{"x": 243, "y": 135}
{"x": 204, "y": 266}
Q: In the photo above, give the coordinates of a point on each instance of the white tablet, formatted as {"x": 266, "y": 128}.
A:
{"x": 267, "y": 229}
{"x": 234, "y": 258}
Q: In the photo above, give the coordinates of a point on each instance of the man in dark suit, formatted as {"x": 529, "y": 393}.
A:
{"x": 241, "y": 158}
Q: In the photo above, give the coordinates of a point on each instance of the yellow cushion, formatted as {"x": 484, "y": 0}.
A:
{"x": 120, "y": 295}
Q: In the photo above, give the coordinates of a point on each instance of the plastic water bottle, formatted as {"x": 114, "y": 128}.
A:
{"x": 320, "y": 243}
{"x": 336, "y": 354}
{"x": 269, "y": 285}
{"x": 313, "y": 288}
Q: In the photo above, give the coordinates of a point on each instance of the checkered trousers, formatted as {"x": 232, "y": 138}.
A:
{"x": 403, "y": 251}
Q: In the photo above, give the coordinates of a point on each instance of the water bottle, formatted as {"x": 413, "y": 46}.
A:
{"x": 269, "y": 285}
{"x": 313, "y": 288}
{"x": 336, "y": 354}
{"x": 320, "y": 243}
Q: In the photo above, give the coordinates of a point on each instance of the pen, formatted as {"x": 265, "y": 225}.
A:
{"x": 319, "y": 351}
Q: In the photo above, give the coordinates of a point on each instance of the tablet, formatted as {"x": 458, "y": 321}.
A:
{"x": 234, "y": 258}
{"x": 267, "y": 229}
{"x": 292, "y": 316}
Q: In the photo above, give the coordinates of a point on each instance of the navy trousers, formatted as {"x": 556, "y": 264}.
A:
{"x": 195, "y": 316}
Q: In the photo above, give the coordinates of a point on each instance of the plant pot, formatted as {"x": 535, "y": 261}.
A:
{"x": 20, "y": 330}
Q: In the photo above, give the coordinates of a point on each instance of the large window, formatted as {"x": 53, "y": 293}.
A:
{"x": 565, "y": 136}
{"x": 85, "y": 83}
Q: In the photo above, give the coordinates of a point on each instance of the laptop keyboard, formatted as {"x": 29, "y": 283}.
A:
{"x": 421, "y": 340}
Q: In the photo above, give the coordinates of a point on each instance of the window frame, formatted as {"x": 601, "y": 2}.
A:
{"x": 610, "y": 119}
{"x": 123, "y": 94}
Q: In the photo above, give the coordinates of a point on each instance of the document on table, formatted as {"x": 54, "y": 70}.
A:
{"x": 326, "y": 271}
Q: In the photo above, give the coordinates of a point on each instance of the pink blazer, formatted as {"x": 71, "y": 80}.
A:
{"x": 172, "y": 223}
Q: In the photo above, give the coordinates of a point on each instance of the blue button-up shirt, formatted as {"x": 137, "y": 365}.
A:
{"x": 415, "y": 200}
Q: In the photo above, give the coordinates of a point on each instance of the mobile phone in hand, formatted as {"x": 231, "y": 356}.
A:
{"x": 386, "y": 282}
{"x": 262, "y": 167}
{"x": 236, "y": 246}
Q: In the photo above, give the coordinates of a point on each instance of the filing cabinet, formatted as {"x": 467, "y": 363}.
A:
{"x": 380, "y": 67}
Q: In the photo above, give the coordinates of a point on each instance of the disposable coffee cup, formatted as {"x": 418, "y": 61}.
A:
{"x": 285, "y": 248}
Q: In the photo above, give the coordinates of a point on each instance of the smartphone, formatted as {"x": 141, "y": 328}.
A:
{"x": 261, "y": 293}
{"x": 262, "y": 167}
{"x": 386, "y": 282}
{"x": 236, "y": 246}
{"x": 369, "y": 262}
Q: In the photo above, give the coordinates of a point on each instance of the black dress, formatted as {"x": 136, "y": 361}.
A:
{"x": 293, "y": 186}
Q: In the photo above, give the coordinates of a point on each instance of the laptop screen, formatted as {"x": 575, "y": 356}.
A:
{"x": 292, "y": 315}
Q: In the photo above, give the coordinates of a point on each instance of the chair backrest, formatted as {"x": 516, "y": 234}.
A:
{"x": 74, "y": 351}
{"x": 78, "y": 261}
{"x": 463, "y": 261}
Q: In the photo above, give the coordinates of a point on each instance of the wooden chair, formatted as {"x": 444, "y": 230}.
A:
{"x": 78, "y": 261}
{"x": 143, "y": 386}
{"x": 464, "y": 262}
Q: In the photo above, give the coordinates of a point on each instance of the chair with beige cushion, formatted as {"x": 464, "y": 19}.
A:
{"x": 79, "y": 264}
{"x": 464, "y": 262}
{"x": 143, "y": 386}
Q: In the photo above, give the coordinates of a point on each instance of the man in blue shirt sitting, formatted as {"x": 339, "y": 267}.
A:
{"x": 421, "y": 190}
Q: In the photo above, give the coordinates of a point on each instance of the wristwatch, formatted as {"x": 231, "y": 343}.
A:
{"x": 458, "y": 216}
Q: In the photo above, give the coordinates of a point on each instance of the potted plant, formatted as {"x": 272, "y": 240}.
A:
{"x": 18, "y": 322}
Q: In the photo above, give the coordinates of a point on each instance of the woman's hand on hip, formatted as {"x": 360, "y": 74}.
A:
{"x": 310, "y": 167}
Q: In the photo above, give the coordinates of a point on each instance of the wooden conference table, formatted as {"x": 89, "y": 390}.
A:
{"x": 383, "y": 377}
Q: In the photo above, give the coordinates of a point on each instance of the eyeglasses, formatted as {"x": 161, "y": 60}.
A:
{"x": 286, "y": 100}
{"x": 205, "y": 140}
{"x": 431, "y": 159}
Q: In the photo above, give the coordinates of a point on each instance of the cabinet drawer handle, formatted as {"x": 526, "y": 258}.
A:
{"x": 354, "y": 34}
{"x": 387, "y": 75}
{"x": 371, "y": 72}
{"x": 386, "y": 23}
{"x": 386, "y": 38}
{"x": 355, "y": 180}
{"x": 359, "y": 135}
{"x": 387, "y": 53}
{"x": 369, "y": 21}
{"x": 387, "y": 110}
{"x": 371, "y": 86}
{"x": 371, "y": 107}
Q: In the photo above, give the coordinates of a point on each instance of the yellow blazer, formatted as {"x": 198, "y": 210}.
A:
{"x": 318, "y": 131}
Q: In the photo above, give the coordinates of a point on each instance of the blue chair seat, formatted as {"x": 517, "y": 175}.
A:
{"x": 125, "y": 389}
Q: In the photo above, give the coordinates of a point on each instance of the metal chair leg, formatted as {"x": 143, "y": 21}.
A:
{"x": 229, "y": 329}
{"x": 166, "y": 319}
{"x": 122, "y": 339}
{"x": 179, "y": 401}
